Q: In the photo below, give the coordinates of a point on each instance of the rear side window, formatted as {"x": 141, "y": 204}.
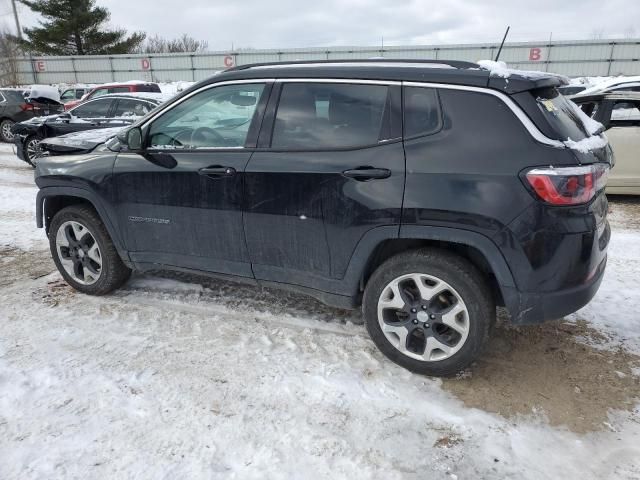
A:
{"x": 119, "y": 89}
{"x": 561, "y": 114}
{"x": 317, "y": 116}
{"x": 132, "y": 108}
{"x": 421, "y": 111}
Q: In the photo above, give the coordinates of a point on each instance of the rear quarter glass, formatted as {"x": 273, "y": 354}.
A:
{"x": 560, "y": 114}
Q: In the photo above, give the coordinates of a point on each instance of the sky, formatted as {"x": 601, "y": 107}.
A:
{"x": 291, "y": 23}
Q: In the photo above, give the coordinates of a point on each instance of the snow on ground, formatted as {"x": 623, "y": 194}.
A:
{"x": 204, "y": 379}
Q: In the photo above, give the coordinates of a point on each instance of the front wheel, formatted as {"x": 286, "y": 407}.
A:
{"x": 429, "y": 311}
{"x": 84, "y": 253}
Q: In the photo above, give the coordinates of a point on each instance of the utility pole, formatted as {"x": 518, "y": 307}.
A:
{"x": 15, "y": 16}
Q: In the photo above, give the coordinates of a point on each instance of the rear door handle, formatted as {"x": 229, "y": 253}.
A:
{"x": 367, "y": 173}
{"x": 217, "y": 171}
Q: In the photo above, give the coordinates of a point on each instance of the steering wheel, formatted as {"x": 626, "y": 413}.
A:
{"x": 202, "y": 131}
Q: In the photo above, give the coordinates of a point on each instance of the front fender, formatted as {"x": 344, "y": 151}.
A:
{"x": 107, "y": 217}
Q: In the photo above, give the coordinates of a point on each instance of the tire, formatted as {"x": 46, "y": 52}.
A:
{"x": 5, "y": 130}
{"x": 29, "y": 157}
{"x": 437, "y": 336}
{"x": 98, "y": 270}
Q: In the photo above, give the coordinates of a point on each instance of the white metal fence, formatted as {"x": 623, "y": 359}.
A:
{"x": 572, "y": 58}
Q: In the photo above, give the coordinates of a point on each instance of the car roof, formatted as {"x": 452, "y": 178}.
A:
{"x": 411, "y": 70}
{"x": 596, "y": 97}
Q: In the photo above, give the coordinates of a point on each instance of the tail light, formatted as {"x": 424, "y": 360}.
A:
{"x": 27, "y": 107}
{"x": 568, "y": 185}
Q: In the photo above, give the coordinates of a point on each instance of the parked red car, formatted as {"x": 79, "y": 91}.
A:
{"x": 114, "y": 88}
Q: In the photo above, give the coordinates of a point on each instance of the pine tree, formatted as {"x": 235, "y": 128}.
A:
{"x": 76, "y": 27}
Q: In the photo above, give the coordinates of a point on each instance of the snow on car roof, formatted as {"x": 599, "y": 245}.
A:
{"x": 608, "y": 84}
{"x": 500, "y": 69}
{"x": 155, "y": 96}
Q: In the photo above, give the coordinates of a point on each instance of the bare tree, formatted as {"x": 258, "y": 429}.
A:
{"x": 185, "y": 43}
{"x": 10, "y": 53}
{"x": 597, "y": 34}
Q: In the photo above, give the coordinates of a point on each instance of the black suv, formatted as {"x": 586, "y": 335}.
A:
{"x": 427, "y": 192}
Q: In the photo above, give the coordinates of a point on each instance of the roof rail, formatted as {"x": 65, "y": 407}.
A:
{"x": 450, "y": 63}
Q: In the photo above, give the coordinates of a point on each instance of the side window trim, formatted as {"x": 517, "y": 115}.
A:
{"x": 393, "y": 104}
{"x": 254, "y": 128}
{"x": 2, "y": 99}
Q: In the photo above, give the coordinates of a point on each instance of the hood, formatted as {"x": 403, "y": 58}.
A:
{"x": 79, "y": 142}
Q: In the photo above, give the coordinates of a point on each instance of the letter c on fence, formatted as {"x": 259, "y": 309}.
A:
{"x": 228, "y": 61}
{"x": 535, "y": 54}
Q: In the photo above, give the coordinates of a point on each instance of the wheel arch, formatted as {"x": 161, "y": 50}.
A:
{"x": 474, "y": 247}
{"x": 50, "y": 200}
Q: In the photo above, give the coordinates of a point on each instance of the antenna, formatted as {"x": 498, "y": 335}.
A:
{"x": 502, "y": 44}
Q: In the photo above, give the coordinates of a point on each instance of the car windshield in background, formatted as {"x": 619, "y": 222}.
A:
{"x": 561, "y": 114}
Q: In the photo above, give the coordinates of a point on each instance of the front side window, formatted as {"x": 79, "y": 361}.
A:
{"x": 421, "y": 111}
{"x": 68, "y": 95}
{"x": 218, "y": 117}
{"x": 315, "y": 116}
{"x": 99, "y": 92}
{"x": 95, "y": 109}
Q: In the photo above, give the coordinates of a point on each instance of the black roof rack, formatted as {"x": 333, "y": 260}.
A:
{"x": 450, "y": 63}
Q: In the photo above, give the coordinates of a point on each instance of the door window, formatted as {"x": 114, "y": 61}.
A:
{"x": 218, "y": 117}
{"x": 96, "y": 109}
{"x": 119, "y": 90}
{"x": 67, "y": 96}
{"x": 320, "y": 116}
{"x": 131, "y": 108}
{"x": 625, "y": 114}
{"x": 99, "y": 92}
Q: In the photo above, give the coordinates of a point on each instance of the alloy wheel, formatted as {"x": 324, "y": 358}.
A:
{"x": 79, "y": 252}
{"x": 33, "y": 149}
{"x": 423, "y": 317}
{"x": 6, "y": 130}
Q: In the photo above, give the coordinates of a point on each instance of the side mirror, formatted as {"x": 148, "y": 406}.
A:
{"x": 133, "y": 139}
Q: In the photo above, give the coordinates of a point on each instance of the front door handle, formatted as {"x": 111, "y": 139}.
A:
{"x": 217, "y": 171}
{"x": 367, "y": 173}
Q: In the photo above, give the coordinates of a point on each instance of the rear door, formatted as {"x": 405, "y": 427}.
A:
{"x": 331, "y": 169}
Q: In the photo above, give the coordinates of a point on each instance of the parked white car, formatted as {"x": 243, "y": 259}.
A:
{"x": 620, "y": 115}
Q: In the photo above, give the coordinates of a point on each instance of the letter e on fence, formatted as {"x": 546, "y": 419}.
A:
{"x": 40, "y": 66}
{"x": 535, "y": 54}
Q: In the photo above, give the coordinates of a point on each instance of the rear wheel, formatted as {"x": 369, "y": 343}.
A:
{"x": 84, "y": 253}
{"x": 5, "y": 130}
{"x": 429, "y": 311}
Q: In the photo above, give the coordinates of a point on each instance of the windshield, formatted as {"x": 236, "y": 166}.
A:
{"x": 561, "y": 114}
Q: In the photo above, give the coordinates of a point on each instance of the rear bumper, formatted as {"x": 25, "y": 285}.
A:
{"x": 532, "y": 308}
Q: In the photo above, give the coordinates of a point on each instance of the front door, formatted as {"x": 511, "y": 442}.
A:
{"x": 330, "y": 170}
{"x": 180, "y": 201}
